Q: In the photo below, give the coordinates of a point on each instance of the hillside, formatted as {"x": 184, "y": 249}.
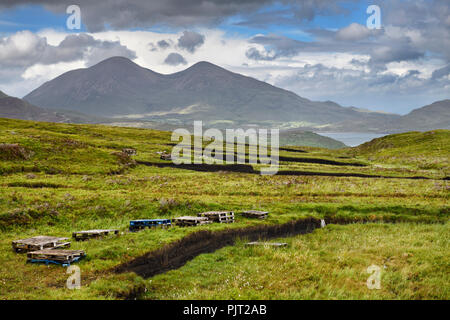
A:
{"x": 16, "y": 108}
{"x": 295, "y": 137}
{"x": 430, "y": 117}
{"x": 426, "y": 149}
{"x": 435, "y": 115}
{"x": 61, "y": 178}
{"x": 117, "y": 87}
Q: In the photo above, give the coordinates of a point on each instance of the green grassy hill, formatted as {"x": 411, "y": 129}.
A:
{"x": 60, "y": 178}
{"x": 305, "y": 138}
{"x": 427, "y": 150}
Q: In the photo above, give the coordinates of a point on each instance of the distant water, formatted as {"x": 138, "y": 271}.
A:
{"x": 352, "y": 139}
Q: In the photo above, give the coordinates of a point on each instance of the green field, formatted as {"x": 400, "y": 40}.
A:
{"x": 64, "y": 178}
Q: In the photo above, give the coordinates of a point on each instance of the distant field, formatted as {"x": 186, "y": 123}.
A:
{"x": 65, "y": 178}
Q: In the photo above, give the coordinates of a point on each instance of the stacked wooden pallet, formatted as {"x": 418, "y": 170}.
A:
{"x": 39, "y": 243}
{"x": 191, "y": 221}
{"x": 90, "y": 234}
{"x": 219, "y": 216}
{"x": 255, "y": 214}
{"x": 63, "y": 257}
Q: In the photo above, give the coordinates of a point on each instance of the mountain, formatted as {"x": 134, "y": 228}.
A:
{"x": 117, "y": 87}
{"x": 16, "y": 108}
{"x": 430, "y": 117}
{"x": 120, "y": 89}
{"x": 435, "y": 115}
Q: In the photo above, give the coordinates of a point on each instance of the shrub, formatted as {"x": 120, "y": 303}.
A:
{"x": 167, "y": 204}
{"x": 14, "y": 152}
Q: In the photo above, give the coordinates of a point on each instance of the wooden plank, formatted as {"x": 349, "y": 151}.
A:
{"x": 255, "y": 214}
{"x": 88, "y": 234}
{"x": 267, "y": 244}
{"x": 62, "y": 245}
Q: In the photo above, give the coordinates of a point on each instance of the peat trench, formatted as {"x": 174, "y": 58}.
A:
{"x": 178, "y": 253}
{"x": 245, "y": 168}
{"x": 175, "y": 255}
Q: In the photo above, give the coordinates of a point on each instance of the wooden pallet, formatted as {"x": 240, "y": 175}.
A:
{"x": 255, "y": 214}
{"x": 267, "y": 244}
{"x": 165, "y": 156}
{"x": 63, "y": 257}
{"x": 191, "y": 221}
{"x": 219, "y": 216}
{"x": 136, "y": 225}
{"x": 39, "y": 243}
{"x": 130, "y": 151}
{"x": 91, "y": 234}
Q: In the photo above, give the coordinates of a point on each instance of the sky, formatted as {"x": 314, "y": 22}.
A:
{"x": 320, "y": 49}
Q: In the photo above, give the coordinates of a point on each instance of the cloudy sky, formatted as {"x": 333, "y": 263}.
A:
{"x": 320, "y": 49}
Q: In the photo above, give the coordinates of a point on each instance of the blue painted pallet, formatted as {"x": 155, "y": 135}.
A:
{"x": 149, "y": 223}
{"x": 48, "y": 261}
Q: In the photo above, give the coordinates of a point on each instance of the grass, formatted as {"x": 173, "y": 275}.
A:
{"x": 330, "y": 263}
{"x": 74, "y": 179}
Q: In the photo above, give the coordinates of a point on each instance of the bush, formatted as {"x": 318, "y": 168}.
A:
{"x": 14, "y": 152}
{"x": 167, "y": 204}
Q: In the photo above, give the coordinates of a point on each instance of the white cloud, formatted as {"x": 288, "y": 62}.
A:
{"x": 320, "y": 75}
{"x": 40, "y": 72}
{"x": 353, "y": 32}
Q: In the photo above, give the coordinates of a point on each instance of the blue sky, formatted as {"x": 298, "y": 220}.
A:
{"x": 321, "y": 50}
{"x": 30, "y": 17}
{"x": 35, "y": 17}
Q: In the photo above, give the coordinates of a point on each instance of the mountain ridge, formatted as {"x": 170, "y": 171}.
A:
{"x": 119, "y": 87}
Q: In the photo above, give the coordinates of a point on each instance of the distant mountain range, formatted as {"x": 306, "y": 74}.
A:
{"x": 118, "y": 88}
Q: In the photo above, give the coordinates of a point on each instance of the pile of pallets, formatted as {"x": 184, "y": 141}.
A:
{"x": 255, "y": 214}
{"x": 39, "y": 243}
{"x": 149, "y": 223}
{"x": 62, "y": 257}
{"x": 90, "y": 234}
{"x": 191, "y": 221}
{"x": 219, "y": 216}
